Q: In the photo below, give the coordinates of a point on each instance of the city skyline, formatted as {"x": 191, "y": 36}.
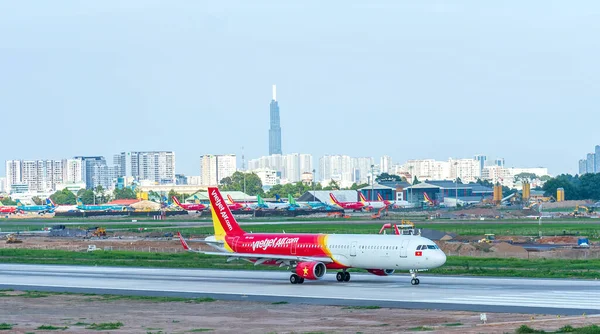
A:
{"x": 431, "y": 80}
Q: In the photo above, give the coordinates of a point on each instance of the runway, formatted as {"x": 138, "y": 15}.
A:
{"x": 541, "y": 296}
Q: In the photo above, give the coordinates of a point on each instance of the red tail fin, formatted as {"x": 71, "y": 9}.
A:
{"x": 222, "y": 213}
{"x": 361, "y": 196}
{"x": 176, "y": 200}
{"x": 183, "y": 243}
{"x": 231, "y": 201}
{"x": 379, "y": 198}
{"x": 333, "y": 198}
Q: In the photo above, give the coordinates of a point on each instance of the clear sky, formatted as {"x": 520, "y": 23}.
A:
{"x": 409, "y": 79}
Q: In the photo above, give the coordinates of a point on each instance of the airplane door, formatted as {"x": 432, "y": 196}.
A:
{"x": 293, "y": 248}
{"x": 403, "y": 248}
{"x": 235, "y": 244}
{"x": 353, "y": 248}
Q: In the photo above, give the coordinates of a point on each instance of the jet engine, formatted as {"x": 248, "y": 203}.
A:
{"x": 381, "y": 272}
{"x": 311, "y": 270}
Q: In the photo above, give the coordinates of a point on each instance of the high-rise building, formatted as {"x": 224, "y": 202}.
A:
{"x": 482, "y": 159}
{"x": 385, "y": 164}
{"x": 289, "y": 167}
{"x": 14, "y": 169}
{"x": 345, "y": 169}
{"x": 597, "y": 159}
{"x": 468, "y": 170}
{"x": 499, "y": 162}
{"x": 214, "y": 168}
{"x": 156, "y": 166}
{"x": 591, "y": 163}
{"x": 98, "y": 173}
{"x": 74, "y": 171}
{"x": 275, "y": 129}
{"x": 2, "y": 185}
{"x": 42, "y": 175}
{"x": 427, "y": 169}
{"x": 268, "y": 177}
{"x": 582, "y": 166}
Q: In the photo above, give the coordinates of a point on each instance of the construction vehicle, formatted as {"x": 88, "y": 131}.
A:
{"x": 378, "y": 214}
{"x": 12, "y": 239}
{"x": 488, "y": 238}
{"x": 579, "y": 208}
{"x": 99, "y": 232}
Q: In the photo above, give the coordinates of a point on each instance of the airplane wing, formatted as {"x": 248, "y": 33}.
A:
{"x": 259, "y": 257}
{"x": 272, "y": 257}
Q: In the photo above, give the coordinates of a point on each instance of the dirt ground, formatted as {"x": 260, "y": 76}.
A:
{"x": 77, "y": 312}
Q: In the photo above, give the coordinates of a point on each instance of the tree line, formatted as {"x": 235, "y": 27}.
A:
{"x": 97, "y": 195}
{"x": 578, "y": 187}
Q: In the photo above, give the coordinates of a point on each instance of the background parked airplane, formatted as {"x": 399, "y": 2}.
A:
{"x": 354, "y": 206}
{"x": 189, "y": 207}
{"x": 372, "y": 204}
{"x": 233, "y": 205}
{"x": 100, "y": 207}
{"x": 41, "y": 209}
{"x": 7, "y": 208}
{"x": 311, "y": 204}
{"x": 310, "y": 255}
{"x": 270, "y": 205}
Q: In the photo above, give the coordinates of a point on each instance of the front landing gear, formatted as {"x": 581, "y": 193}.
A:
{"x": 414, "y": 280}
{"x": 342, "y": 276}
{"x": 295, "y": 279}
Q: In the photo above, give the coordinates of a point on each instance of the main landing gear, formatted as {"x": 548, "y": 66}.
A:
{"x": 295, "y": 279}
{"x": 414, "y": 280}
{"x": 342, "y": 276}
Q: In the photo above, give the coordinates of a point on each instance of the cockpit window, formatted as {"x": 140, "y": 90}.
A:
{"x": 419, "y": 247}
{"x": 431, "y": 246}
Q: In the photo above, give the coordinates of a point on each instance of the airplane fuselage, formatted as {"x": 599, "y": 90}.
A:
{"x": 398, "y": 252}
{"x": 351, "y": 205}
{"x": 192, "y": 207}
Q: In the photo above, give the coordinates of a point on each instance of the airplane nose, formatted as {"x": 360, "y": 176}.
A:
{"x": 441, "y": 258}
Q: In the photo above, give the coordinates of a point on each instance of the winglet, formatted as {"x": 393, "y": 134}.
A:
{"x": 183, "y": 243}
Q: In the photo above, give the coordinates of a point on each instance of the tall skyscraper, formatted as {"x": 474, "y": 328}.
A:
{"x": 275, "y": 129}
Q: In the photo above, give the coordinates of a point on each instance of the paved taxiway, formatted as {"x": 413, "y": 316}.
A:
{"x": 547, "y": 296}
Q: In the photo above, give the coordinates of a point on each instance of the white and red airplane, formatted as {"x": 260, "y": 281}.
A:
{"x": 354, "y": 206}
{"x": 189, "y": 207}
{"x": 310, "y": 255}
{"x": 378, "y": 204}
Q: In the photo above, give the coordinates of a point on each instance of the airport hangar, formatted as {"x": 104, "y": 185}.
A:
{"x": 439, "y": 191}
